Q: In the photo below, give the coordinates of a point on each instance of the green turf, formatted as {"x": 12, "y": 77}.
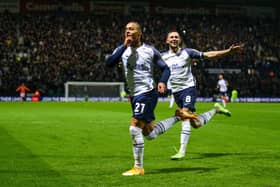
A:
{"x": 88, "y": 144}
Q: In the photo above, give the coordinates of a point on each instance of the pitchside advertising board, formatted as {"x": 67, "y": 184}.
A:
{"x": 118, "y": 99}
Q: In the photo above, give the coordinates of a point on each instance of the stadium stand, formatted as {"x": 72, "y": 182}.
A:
{"x": 45, "y": 50}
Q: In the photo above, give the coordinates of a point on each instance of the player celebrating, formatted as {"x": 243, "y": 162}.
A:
{"x": 183, "y": 85}
{"x": 138, "y": 60}
{"x": 222, "y": 85}
{"x": 22, "y": 89}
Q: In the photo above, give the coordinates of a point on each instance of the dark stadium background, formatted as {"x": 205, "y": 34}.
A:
{"x": 59, "y": 41}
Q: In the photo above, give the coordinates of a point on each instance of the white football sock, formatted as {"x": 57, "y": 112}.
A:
{"x": 162, "y": 126}
{"x": 185, "y": 135}
{"x": 138, "y": 145}
{"x": 205, "y": 117}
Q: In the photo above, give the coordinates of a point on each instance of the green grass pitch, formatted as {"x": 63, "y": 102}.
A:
{"x": 88, "y": 144}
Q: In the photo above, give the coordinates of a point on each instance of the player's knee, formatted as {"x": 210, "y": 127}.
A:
{"x": 148, "y": 131}
{"x": 136, "y": 136}
{"x": 134, "y": 130}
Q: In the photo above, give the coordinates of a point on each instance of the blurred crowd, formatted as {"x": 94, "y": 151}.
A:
{"x": 46, "y": 50}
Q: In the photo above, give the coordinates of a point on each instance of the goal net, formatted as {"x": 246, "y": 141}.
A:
{"x": 94, "y": 90}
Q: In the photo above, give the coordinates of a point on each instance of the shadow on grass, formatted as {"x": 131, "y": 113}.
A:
{"x": 60, "y": 156}
{"x": 37, "y": 172}
{"x": 216, "y": 155}
{"x": 257, "y": 155}
{"x": 189, "y": 169}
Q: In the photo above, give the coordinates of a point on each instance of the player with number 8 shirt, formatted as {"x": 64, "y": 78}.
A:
{"x": 183, "y": 85}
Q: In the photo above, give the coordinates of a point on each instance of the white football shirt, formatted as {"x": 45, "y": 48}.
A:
{"x": 179, "y": 63}
{"x": 222, "y": 84}
{"x": 138, "y": 66}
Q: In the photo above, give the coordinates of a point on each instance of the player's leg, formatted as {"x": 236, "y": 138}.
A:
{"x": 137, "y": 148}
{"x": 143, "y": 113}
{"x": 22, "y": 96}
{"x": 196, "y": 121}
{"x": 200, "y": 120}
{"x": 185, "y": 135}
{"x": 184, "y": 139}
{"x": 140, "y": 106}
{"x": 187, "y": 111}
{"x": 151, "y": 131}
{"x": 221, "y": 110}
{"x": 185, "y": 99}
{"x": 224, "y": 99}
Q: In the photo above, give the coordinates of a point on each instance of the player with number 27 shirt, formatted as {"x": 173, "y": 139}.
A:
{"x": 138, "y": 60}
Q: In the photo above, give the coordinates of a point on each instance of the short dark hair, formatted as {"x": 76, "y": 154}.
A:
{"x": 137, "y": 23}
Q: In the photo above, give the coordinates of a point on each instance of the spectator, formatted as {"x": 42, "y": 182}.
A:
{"x": 48, "y": 51}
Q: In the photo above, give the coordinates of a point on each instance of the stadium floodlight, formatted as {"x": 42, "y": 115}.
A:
{"x": 89, "y": 90}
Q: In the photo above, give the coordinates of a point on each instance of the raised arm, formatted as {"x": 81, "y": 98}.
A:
{"x": 115, "y": 57}
{"x": 231, "y": 50}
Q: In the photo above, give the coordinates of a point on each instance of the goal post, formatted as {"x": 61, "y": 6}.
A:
{"x": 89, "y": 90}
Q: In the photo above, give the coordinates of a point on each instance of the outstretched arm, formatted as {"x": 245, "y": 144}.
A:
{"x": 231, "y": 50}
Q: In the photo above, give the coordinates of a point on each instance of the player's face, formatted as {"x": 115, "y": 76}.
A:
{"x": 173, "y": 40}
{"x": 133, "y": 32}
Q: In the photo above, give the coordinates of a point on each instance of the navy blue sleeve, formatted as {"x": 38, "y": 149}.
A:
{"x": 193, "y": 53}
{"x": 163, "y": 66}
{"x": 116, "y": 56}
